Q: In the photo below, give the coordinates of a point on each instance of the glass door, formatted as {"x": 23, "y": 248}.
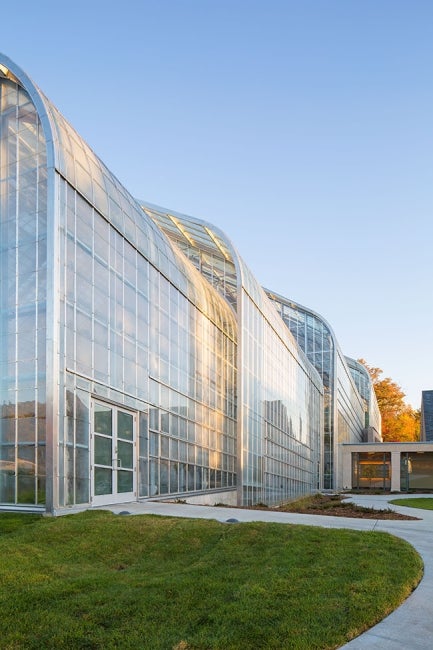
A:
{"x": 113, "y": 471}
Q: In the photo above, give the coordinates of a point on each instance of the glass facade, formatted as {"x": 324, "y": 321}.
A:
{"x": 365, "y": 388}
{"x": 152, "y": 343}
{"x": 133, "y": 324}
{"x": 371, "y": 471}
{"x": 344, "y": 408}
{"x": 416, "y": 471}
{"x": 279, "y": 392}
{"x": 23, "y": 297}
{"x": 132, "y": 365}
{"x": 279, "y": 388}
{"x": 207, "y": 249}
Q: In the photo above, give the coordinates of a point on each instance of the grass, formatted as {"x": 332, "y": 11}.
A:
{"x": 425, "y": 503}
{"x": 99, "y": 580}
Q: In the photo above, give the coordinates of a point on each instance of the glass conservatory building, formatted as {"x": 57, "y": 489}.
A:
{"x": 276, "y": 377}
{"x": 362, "y": 379}
{"x": 346, "y": 402}
{"x": 129, "y": 371}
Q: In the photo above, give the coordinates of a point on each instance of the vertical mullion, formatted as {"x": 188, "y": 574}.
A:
{"x": 114, "y": 451}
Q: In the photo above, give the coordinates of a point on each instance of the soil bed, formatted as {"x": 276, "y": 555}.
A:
{"x": 337, "y": 506}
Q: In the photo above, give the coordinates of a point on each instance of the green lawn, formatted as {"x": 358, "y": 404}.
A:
{"x": 98, "y": 580}
{"x": 415, "y": 502}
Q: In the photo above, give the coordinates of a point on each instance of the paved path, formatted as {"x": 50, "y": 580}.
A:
{"x": 410, "y": 626}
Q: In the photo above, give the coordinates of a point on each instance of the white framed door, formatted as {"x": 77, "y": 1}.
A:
{"x": 113, "y": 460}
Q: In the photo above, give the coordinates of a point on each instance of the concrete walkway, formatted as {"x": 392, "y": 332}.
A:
{"x": 410, "y": 627}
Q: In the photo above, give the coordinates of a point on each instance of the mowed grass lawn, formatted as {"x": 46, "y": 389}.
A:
{"x": 99, "y": 580}
{"x": 425, "y": 503}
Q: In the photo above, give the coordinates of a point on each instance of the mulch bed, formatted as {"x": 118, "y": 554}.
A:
{"x": 335, "y": 506}
{"x": 354, "y": 512}
{"x": 332, "y": 505}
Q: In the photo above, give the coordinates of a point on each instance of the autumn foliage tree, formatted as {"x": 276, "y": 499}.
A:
{"x": 400, "y": 422}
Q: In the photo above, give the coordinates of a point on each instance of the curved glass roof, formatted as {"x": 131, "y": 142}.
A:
{"x": 361, "y": 377}
{"x": 210, "y": 251}
{"x": 352, "y": 363}
{"x": 276, "y": 297}
{"x": 72, "y": 157}
{"x": 216, "y": 258}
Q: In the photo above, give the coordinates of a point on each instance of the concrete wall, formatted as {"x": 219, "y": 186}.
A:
{"x": 226, "y": 497}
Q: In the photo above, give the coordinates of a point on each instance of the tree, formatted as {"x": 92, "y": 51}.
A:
{"x": 400, "y": 422}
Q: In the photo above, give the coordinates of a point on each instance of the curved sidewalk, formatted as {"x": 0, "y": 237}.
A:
{"x": 410, "y": 626}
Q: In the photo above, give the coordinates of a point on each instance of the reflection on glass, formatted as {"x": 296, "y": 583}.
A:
{"x": 125, "y": 454}
{"x": 103, "y": 420}
{"x": 124, "y": 425}
{"x": 124, "y": 481}
{"x": 103, "y": 451}
{"x": 103, "y": 481}
{"x": 26, "y": 489}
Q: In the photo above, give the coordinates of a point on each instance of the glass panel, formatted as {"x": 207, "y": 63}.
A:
{"x": 419, "y": 470}
{"x": 103, "y": 420}
{"x": 404, "y": 472}
{"x": 153, "y": 478}
{"x": 103, "y": 481}
{"x": 82, "y": 475}
{"x": 190, "y": 477}
{"x": 174, "y": 477}
{"x": 125, "y": 454}
{"x": 26, "y": 489}
{"x": 163, "y": 477}
{"x": 164, "y": 446}
{"x": 374, "y": 470}
{"x": 154, "y": 446}
{"x": 8, "y": 486}
{"x": 103, "y": 451}
{"x": 125, "y": 481}
{"x": 26, "y": 429}
{"x": 143, "y": 478}
{"x": 82, "y": 431}
{"x": 124, "y": 425}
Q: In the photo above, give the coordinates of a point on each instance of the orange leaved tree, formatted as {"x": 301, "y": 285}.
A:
{"x": 400, "y": 422}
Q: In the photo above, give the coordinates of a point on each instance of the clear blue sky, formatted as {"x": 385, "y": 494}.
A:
{"x": 303, "y": 129}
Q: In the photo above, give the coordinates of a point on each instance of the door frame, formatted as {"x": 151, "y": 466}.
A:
{"x": 113, "y": 497}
